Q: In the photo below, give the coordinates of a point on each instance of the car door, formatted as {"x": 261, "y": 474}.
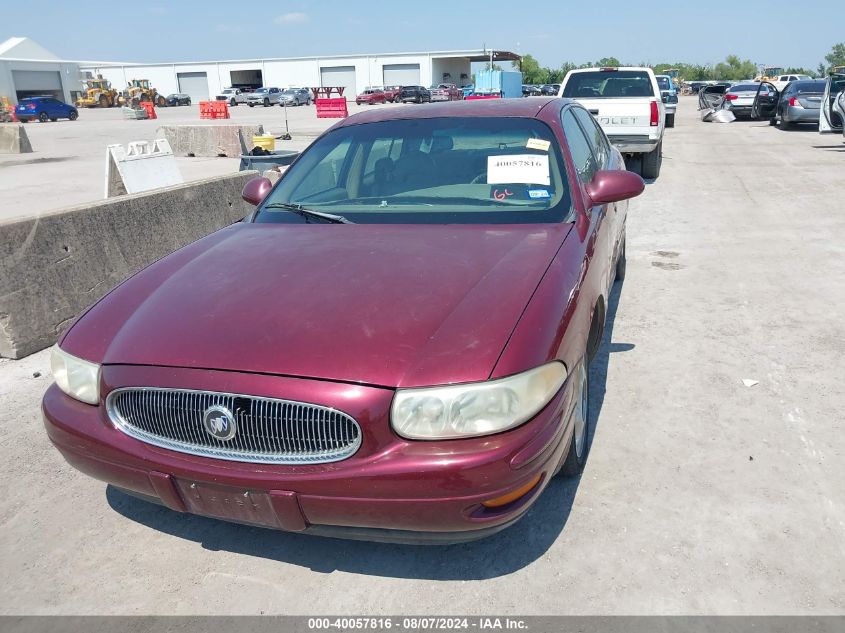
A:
{"x": 584, "y": 160}
{"x": 828, "y": 118}
{"x": 614, "y": 218}
{"x": 765, "y": 102}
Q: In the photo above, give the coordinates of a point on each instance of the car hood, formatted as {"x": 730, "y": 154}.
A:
{"x": 382, "y": 305}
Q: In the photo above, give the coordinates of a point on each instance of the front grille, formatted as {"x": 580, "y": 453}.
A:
{"x": 267, "y": 430}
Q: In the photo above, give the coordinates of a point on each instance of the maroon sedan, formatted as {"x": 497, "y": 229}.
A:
{"x": 371, "y": 96}
{"x": 393, "y": 346}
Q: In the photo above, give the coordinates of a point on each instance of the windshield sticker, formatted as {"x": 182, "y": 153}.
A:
{"x": 538, "y": 143}
{"x": 539, "y": 193}
{"x": 518, "y": 168}
{"x": 501, "y": 194}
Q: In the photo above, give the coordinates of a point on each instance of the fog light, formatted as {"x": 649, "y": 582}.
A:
{"x": 504, "y": 500}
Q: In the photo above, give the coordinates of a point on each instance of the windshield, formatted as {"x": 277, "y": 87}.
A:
{"x": 663, "y": 83}
{"x": 289, "y": 91}
{"x": 228, "y": 91}
{"x": 455, "y": 170}
{"x": 600, "y": 84}
{"x": 262, "y": 90}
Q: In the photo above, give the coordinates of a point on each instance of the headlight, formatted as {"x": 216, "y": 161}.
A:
{"x": 473, "y": 409}
{"x": 78, "y": 378}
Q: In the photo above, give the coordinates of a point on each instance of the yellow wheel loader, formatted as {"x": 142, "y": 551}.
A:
{"x": 98, "y": 94}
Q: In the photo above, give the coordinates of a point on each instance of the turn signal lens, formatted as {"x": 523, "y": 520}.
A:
{"x": 504, "y": 500}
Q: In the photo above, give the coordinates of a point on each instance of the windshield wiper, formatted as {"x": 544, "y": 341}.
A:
{"x": 308, "y": 213}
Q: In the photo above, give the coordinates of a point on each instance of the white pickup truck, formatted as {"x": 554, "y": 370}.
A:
{"x": 627, "y": 103}
{"x": 232, "y": 96}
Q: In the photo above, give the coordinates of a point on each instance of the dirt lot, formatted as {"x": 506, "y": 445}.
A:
{"x": 701, "y": 495}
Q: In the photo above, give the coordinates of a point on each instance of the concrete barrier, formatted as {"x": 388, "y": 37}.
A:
{"x": 209, "y": 140}
{"x": 53, "y": 266}
{"x": 13, "y": 139}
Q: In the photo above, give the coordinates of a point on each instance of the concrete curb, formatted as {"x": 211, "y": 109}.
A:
{"x": 53, "y": 266}
{"x": 208, "y": 140}
{"x": 13, "y": 139}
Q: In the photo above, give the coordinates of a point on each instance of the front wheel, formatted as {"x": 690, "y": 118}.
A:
{"x": 251, "y": 105}
{"x": 266, "y": 102}
{"x": 73, "y": 116}
{"x": 652, "y": 162}
{"x": 103, "y": 101}
{"x": 579, "y": 446}
{"x": 670, "y": 120}
{"x": 43, "y": 117}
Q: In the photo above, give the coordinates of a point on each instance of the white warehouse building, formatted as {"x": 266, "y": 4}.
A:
{"x": 202, "y": 80}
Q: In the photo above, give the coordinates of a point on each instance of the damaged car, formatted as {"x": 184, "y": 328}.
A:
{"x": 402, "y": 351}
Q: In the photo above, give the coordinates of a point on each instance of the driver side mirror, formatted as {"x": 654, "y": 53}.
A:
{"x": 256, "y": 189}
{"x": 613, "y": 186}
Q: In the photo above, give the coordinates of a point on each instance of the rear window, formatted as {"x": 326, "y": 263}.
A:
{"x": 608, "y": 84}
{"x": 744, "y": 88}
{"x": 807, "y": 86}
{"x": 663, "y": 83}
{"x": 450, "y": 170}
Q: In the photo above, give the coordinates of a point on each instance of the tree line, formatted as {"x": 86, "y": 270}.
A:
{"x": 732, "y": 69}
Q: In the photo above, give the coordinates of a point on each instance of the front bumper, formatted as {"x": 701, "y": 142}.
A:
{"x": 390, "y": 490}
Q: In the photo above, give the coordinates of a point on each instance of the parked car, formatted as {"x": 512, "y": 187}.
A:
{"x": 233, "y": 96}
{"x": 391, "y": 93}
{"x": 178, "y": 99}
{"x": 295, "y": 97}
{"x": 417, "y": 94}
{"x": 799, "y": 102}
{"x": 530, "y": 90}
{"x": 550, "y": 89}
{"x": 439, "y": 94}
{"x": 451, "y": 90}
{"x": 44, "y": 109}
{"x": 264, "y": 96}
{"x": 626, "y": 102}
{"x": 833, "y": 104}
{"x": 395, "y": 405}
{"x": 669, "y": 94}
{"x": 782, "y": 80}
{"x": 710, "y": 95}
{"x": 371, "y": 96}
{"x": 739, "y": 98}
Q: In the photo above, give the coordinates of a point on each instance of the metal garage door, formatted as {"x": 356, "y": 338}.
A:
{"x": 339, "y": 76}
{"x": 401, "y": 74}
{"x": 30, "y": 83}
{"x": 194, "y": 84}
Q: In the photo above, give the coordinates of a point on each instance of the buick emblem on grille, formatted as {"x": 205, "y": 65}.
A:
{"x": 220, "y": 423}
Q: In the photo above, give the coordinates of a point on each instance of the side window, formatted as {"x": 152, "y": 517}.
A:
{"x": 579, "y": 147}
{"x": 595, "y": 136}
{"x": 327, "y": 175}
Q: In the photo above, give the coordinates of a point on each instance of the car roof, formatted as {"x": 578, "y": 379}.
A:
{"x": 516, "y": 107}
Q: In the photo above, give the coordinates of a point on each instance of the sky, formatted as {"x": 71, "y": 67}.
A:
{"x": 766, "y": 32}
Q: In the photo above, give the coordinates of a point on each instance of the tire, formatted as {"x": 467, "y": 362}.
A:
{"x": 621, "y": 261}
{"x": 73, "y": 116}
{"x": 670, "y": 120}
{"x": 579, "y": 446}
{"x": 232, "y": 103}
{"x": 188, "y": 102}
{"x": 652, "y": 162}
{"x": 251, "y": 105}
{"x": 634, "y": 164}
{"x": 419, "y": 99}
{"x": 773, "y": 121}
{"x": 161, "y": 102}
{"x": 103, "y": 101}
{"x": 43, "y": 117}
{"x": 266, "y": 102}
{"x": 784, "y": 124}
